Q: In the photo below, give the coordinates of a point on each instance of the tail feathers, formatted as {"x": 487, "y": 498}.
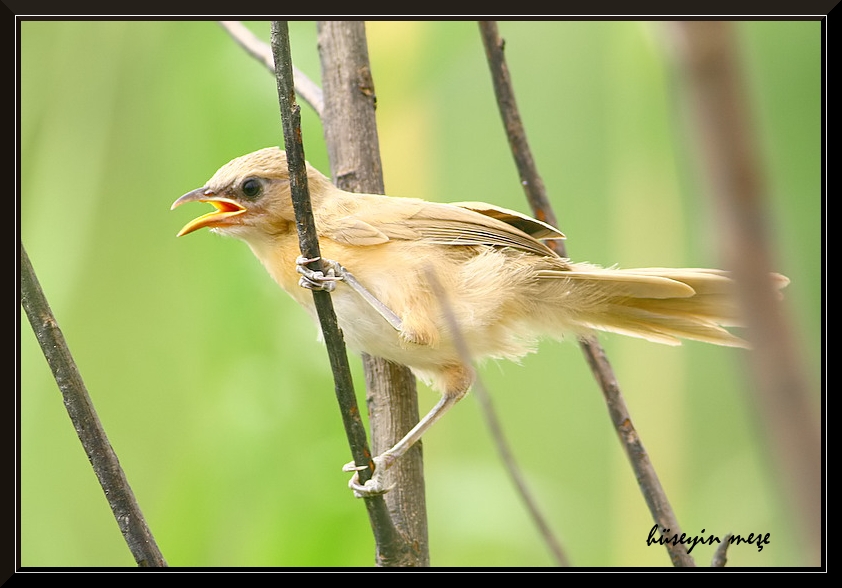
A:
{"x": 626, "y": 283}
{"x": 720, "y": 309}
{"x": 658, "y": 304}
{"x": 663, "y": 325}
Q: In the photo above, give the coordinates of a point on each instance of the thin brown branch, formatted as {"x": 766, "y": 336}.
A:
{"x": 306, "y": 89}
{"x": 385, "y": 534}
{"x": 309, "y": 243}
{"x": 647, "y": 478}
{"x": 783, "y": 394}
{"x": 88, "y": 427}
{"x": 353, "y": 148}
{"x": 650, "y": 485}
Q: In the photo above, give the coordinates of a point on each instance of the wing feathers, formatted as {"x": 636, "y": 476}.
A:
{"x": 532, "y": 227}
{"x": 370, "y": 219}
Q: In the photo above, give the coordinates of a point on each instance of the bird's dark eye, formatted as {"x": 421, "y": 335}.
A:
{"x": 252, "y": 188}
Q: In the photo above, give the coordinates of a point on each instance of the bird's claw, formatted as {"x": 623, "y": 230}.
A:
{"x": 315, "y": 279}
{"x": 375, "y": 485}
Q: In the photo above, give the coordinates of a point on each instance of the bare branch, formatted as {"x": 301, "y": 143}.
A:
{"x": 647, "y": 478}
{"x": 353, "y": 148}
{"x": 650, "y": 485}
{"x": 304, "y": 86}
{"x": 784, "y": 395}
{"x": 88, "y": 427}
{"x": 385, "y": 533}
{"x": 309, "y": 243}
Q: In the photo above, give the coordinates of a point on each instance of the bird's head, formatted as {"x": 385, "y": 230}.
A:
{"x": 250, "y": 195}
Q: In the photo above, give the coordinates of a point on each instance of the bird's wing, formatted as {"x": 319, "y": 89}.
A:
{"x": 527, "y": 224}
{"x": 364, "y": 219}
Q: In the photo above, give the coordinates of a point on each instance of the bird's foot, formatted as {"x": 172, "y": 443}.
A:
{"x": 375, "y": 485}
{"x": 315, "y": 279}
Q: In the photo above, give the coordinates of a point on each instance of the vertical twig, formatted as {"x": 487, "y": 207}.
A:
{"x": 650, "y": 485}
{"x": 716, "y": 96}
{"x": 309, "y": 243}
{"x": 88, "y": 427}
{"x": 386, "y": 537}
{"x": 350, "y": 131}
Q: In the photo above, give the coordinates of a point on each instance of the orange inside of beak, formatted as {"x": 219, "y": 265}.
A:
{"x": 225, "y": 209}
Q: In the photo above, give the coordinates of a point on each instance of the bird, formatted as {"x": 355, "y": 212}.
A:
{"x": 399, "y": 269}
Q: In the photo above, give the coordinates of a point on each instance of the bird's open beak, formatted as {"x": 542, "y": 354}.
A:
{"x": 225, "y": 209}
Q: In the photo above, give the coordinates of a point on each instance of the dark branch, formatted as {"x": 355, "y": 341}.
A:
{"x": 88, "y": 427}
{"x": 384, "y": 531}
{"x": 650, "y": 486}
{"x": 309, "y": 244}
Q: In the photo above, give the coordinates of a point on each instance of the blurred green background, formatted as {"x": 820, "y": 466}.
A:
{"x": 210, "y": 382}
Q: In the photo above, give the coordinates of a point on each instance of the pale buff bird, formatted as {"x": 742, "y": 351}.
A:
{"x": 490, "y": 267}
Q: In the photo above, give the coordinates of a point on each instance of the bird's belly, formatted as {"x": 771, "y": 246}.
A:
{"x": 366, "y": 331}
{"x": 478, "y": 303}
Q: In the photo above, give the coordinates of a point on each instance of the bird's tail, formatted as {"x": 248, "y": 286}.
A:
{"x": 658, "y": 304}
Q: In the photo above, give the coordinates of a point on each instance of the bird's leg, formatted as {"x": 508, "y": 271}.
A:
{"x": 316, "y": 280}
{"x": 376, "y": 484}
